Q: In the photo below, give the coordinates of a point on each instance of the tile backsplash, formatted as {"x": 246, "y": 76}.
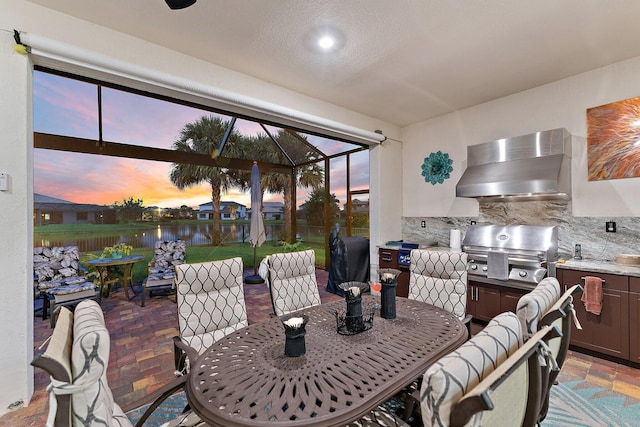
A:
{"x": 589, "y": 232}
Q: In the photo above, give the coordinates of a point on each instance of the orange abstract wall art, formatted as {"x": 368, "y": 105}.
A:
{"x": 613, "y": 140}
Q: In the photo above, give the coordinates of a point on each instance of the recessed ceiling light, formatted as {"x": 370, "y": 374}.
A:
{"x": 326, "y": 42}
{"x": 325, "y": 39}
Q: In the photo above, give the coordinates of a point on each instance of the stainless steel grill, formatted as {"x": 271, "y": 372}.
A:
{"x": 514, "y": 255}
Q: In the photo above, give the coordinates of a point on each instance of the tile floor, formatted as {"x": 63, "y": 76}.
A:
{"x": 141, "y": 356}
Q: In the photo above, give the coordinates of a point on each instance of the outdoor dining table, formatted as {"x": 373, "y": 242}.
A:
{"x": 245, "y": 379}
{"x": 105, "y": 267}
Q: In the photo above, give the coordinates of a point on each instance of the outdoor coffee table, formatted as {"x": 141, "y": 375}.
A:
{"x": 245, "y": 379}
{"x": 103, "y": 266}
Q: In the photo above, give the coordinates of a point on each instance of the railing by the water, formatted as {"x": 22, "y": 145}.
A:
{"x": 192, "y": 234}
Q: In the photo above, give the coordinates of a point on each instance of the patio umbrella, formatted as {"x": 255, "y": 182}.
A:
{"x": 257, "y": 235}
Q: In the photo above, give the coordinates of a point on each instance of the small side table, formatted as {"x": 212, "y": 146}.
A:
{"x": 107, "y": 280}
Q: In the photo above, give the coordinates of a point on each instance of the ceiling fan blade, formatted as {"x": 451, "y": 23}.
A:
{"x": 179, "y": 4}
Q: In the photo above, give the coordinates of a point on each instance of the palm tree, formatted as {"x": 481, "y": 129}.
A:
{"x": 307, "y": 176}
{"x": 203, "y": 137}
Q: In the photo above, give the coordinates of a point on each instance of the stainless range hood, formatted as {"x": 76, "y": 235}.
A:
{"x": 526, "y": 167}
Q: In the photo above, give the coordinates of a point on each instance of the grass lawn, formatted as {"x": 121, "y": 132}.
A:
{"x": 209, "y": 253}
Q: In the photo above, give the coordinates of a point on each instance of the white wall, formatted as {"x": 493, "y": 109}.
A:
{"x": 16, "y": 231}
{"x": 559, "y": 104}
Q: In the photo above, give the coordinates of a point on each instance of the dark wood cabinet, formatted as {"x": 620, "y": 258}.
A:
{"x": 483, "y": 302}
{"x": 509, "y": 300}
{"x": 607, "y": 333}
{"x": 388, "y": 258}
{"x": 634, "y": 319}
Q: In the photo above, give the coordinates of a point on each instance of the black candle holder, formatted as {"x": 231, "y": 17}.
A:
{"x": 294, "y": 344}
{"x": 389, "y": 280}
{"x": 388, "y": 301}
{"x": 348, "y": 325}
{"x": 353, "y": 320}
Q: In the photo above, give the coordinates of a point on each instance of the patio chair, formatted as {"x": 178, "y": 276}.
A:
{"x": 76, "y": 359}
{"x": 211, "y": 305}
{"x": 510, "y": 394}
{"x": 455, "y": 374}
{"x": 162, "y": 273}
{"x": 59, "y": 281}
{"x": 292, "y": 281}
{"x": 543, "y": 306}
{"x": 440, "y": 278}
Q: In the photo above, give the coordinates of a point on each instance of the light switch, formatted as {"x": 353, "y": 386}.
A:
{"x": 4, "y": 182}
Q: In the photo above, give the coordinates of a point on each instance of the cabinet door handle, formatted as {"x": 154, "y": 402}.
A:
{"x": 385, "y": 259}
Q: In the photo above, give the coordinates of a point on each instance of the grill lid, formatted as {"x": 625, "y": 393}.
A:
{"x": 512, "y": 238}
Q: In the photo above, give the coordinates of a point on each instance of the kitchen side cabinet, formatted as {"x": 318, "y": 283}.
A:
{"x": 483, "y": 303}
{"x": 388, "y": 258}
{"x": 634, "y": 319}
{"x": 607, "y": 333}
{"x": 509, "y": 300}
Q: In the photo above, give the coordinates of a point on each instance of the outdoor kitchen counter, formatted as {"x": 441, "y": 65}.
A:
{"x": 609, "y": 267}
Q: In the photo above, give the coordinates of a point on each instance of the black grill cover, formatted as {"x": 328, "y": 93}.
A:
{"x": 349, "y": 261}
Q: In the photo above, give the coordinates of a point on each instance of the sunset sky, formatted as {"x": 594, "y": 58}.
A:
{"x": 69, "y": 107}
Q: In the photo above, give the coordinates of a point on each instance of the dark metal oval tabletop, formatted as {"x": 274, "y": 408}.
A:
{"x": 245, "y": 379}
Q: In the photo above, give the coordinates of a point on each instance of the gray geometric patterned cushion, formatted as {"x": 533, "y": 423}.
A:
{"x": 210, "y": 301}
{"x": 92, "y": 401}
{"x": 439, "y": 278}
{"x": 454, "y": 375}
{"x": 532, "y": 306}
{"x": 293, "y": 283}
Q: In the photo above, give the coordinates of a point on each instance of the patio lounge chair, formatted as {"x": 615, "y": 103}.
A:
{"x": 544, "y": 306}
{"x": 451, "y": 387}
{"x": 58, "y": 279}
{"x": 210, "y": 298}
{"x": 292, "y": 281}
{"x": 162, "y": 272}
{"x": 76, "y": 359}
{"x": 440, "y": 278}
{"x": 510, "y": 394}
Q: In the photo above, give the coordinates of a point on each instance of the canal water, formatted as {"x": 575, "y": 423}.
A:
{"x": 192, "y": 234}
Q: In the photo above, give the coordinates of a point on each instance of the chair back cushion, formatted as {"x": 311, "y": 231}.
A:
{"x": 511, "y": 394}
{"x": 210, "y": 301}
{"x": 167, "y": 254}
{"x": 439, "y": 278}
{"x": 532, "y": 306}
{"x": 56, "y": 360}
{"x": 292, "y": 280}
{"x": 455, "y": 374}
{"x": 92, "y": 400}
{"x": 56, "y": 266}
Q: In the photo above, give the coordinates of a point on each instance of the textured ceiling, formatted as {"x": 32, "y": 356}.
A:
{"x": 402, "y": 61}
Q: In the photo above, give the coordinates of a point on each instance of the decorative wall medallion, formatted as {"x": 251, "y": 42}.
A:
{"x": 437, "y": 167}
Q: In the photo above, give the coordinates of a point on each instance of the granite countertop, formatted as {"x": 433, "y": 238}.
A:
{"x": 600, "y": 267}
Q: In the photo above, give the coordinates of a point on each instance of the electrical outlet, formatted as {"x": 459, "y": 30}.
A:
{"x": 611, "y": 226}
{"x": 423, "y": 224}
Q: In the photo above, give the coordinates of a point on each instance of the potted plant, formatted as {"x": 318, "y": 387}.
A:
{"x": 116, "y": 251}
